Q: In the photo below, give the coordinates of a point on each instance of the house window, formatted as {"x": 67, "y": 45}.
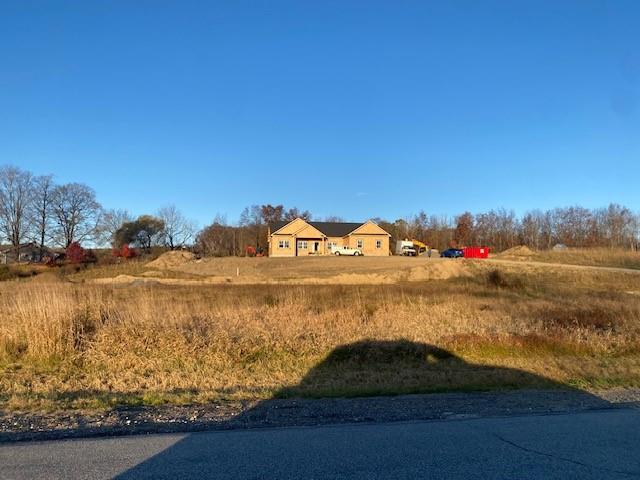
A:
{"x": 283, "y": 244}
{"x": 332, "y": 246}
{"x": 378, "y": 243}
{"x": 302, "y": 244}
{"x": 359, "y": 243}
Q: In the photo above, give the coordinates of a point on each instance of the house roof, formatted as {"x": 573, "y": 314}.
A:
{"x": 330, "y": 229}
{"x": 275, "y": 226}
{"x": 10, "y": 248}
{"x": 335, "y": 229}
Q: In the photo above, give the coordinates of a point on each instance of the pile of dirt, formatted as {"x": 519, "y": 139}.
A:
{"x": 171, "y": 260}
{"x": 519, "y": 251}
{"x": 439, "y": 271}
{"x": 147, "y": 280}
{"x": 117, "y": 280}
{"x": 349, "y": 279}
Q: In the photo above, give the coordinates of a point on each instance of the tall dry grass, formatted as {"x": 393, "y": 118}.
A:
{"x": 599, "y": 257}
{"x": 76, "y": 345}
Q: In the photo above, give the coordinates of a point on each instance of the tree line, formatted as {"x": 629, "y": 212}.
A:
{"x": 614, "y": 226}
{"x": 37, "y": 209}
{"x": 249, "y": 235}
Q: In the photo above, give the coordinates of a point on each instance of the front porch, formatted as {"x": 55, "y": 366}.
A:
{"x": 310, "y": 246}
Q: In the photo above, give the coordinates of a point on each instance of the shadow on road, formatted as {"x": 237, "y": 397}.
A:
{"x": 382, "y": 368}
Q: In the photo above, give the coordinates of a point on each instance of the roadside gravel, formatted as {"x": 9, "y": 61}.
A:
{"x": 16, "y": 426}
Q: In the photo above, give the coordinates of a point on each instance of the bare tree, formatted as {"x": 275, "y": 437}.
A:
{"x": 463, "y": 233}
{"x": 634, "y": 237}
{"x": 271, "y": 213}
{"x": 251, "y": 218}
{"x": 43, "y": 188}
{"x": 619, "y": 222}
{"x": 76, "y": 213}
{"x": 110, "y": 223}
{"x": 218, "y": 239}
{"x": 294, "y": 213}
{"x": 15, "y": 198}
{"x": 178, "y": 230}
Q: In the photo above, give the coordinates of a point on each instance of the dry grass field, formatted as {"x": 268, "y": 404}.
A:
{"x": 304, "y": 328}
{"x": 246, "y": 270}
{"x": 601, "y": 257}
{"x": 596, "y": 257}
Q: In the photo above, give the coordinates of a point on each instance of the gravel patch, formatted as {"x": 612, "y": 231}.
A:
{"x": 16, "y": 426}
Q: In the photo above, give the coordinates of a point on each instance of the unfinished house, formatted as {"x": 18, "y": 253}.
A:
{"x": 301, "y": 238}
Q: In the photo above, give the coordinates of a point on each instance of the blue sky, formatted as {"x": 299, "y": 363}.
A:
{"x": 358, "y": 109}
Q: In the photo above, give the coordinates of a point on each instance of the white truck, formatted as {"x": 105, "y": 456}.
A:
{"x": 355, "y": 252}
{"x": 406, "y": 248}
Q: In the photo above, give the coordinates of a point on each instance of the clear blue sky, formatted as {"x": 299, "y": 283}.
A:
{"x": 358, "y": 109}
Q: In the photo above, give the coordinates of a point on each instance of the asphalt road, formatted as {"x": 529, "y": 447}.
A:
{"x": 600, "y": 445}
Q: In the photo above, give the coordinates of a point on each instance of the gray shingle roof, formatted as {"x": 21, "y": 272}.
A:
{"x": 335, "y": 229}
{"x": 330, "y": 229}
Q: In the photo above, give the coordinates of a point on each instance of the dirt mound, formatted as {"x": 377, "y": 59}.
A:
{"x": 439, "y": 271}
{"x": 170, "y": 260}
{"x": 519, "y": 251}
{"x": 117, "y": 280}
{"x": 147, "y": 280}
{"x": 349, "y": 279}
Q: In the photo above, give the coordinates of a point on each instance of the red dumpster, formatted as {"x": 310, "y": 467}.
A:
{"x": 476, "y": 252}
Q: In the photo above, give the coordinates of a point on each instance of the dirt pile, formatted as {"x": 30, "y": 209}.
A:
{"x": 439, "y": 271}
{"x": 519, "y": 251}
{"x": 147, "y": 280}
{"x": 171, "y": 260}
{"x": 348, "y": 279}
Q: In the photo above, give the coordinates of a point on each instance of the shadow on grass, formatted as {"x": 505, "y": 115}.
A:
{"x": 372, "y": 367}
{"x": 365, "y": 368}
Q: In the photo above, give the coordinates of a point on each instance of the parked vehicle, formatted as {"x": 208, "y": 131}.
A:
{"x": 452, "y": 253}
{"x": 405, "y": 247}
{"x": 354, "y": 252}
{"x": 419, "y": 246}
{"x": 410, "y": 248}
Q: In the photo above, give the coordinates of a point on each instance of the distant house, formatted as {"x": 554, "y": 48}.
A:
{"x": 299, "y": 238}
{"x": 28, "y": 252}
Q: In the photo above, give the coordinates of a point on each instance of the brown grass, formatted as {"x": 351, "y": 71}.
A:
{"x": 599, "y": 257}
{"x": 65, "y": 345}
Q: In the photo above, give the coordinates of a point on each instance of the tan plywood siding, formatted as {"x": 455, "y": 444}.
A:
{"x": 339, "y": 241}
{"x": 276, "y": 251}
{"x": 307, "y": 231}
{"x": 369, "y": 244}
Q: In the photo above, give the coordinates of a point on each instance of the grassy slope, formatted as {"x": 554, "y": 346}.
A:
{"x": 600, "y": 257}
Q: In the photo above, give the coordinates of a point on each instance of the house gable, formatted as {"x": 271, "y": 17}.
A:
{"x": 309, "y": 231}
{"x": 298, "y": 228}
{"x": 369, "y": 228}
